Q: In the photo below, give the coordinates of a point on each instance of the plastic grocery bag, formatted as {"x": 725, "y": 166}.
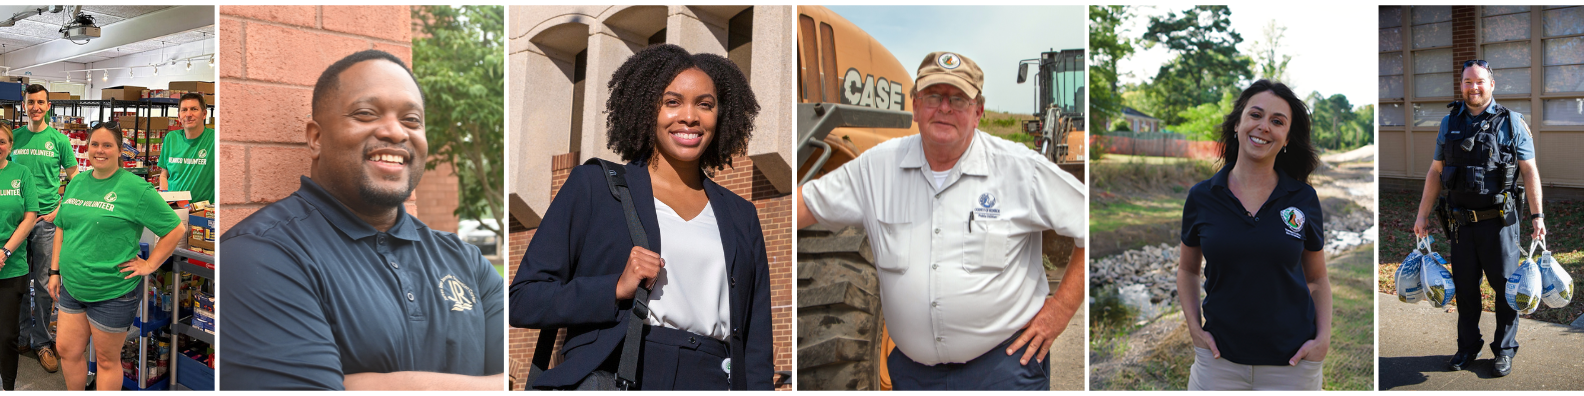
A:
{"x": 1523, "y": 285}
{"x": 1409, "y": 285}
{"x": 1437, "y": 281}
{"x": 1555, "y": 284}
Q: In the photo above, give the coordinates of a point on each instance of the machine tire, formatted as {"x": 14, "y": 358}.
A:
{"x": 838, "y": 311}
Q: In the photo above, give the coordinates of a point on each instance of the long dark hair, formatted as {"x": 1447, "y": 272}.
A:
{"x": 1298, "y": 159}
{"x": 634, "y": 103}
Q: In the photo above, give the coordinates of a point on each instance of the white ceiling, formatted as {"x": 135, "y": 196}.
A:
{"x": 40, "y": 29}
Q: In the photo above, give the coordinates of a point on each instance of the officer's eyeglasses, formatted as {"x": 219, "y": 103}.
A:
{"x": 957, "y": 102}
{"x": 1480, "y": 62}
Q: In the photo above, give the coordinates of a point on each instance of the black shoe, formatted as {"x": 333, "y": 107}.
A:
{"x": 1503, "y": 365}
{"x": 1461, "y": 360}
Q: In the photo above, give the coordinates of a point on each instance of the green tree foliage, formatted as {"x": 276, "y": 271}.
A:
{"x": 460, "y": 62}
{"x": 1207, "y": 63}
{"x": 1203, "y": 122}
{"x": 1107, "y": 46}
{"x": 1270, "y": 64}
{"x": 1337, "y": 125}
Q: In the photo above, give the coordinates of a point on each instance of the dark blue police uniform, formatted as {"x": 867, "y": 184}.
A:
{"x": 1487, "y": 247}
{"x": 313, "y": 293}
{"x": 1257, "y": 304}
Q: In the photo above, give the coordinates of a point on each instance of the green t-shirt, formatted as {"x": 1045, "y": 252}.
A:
{"x": 101, "y": 222}
{"x": 187, "y": 163}
{"x": 45, "y": 154}
{"x": 16, "y": 199}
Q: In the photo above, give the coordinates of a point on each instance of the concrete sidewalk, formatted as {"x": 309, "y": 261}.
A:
{"x": 1416, "y": 340}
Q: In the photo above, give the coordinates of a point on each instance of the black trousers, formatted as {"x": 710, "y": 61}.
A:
{"x": 673, "y": 360}
{"x": 1490, "y": 249}
{"x": 12, "y": 291}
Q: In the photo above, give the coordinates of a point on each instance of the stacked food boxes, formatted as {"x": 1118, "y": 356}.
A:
{"x": 204, "y": 312}
{"x": 202, "y": 220}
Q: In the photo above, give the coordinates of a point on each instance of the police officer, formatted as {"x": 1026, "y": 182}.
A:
{"x": 1481, "y": 151}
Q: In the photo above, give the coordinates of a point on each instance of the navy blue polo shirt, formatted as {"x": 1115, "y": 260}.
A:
{"x": 313, "y": 293}
{"x": 1257, "y": 303}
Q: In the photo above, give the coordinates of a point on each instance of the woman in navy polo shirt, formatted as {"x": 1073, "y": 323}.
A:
{"x": 1257, "y": 225}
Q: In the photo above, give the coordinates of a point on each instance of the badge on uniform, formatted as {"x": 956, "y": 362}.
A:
{"x": 1294, "y": 220}
{"x": 459, "y": 294}
{"x": 985, "y": 208}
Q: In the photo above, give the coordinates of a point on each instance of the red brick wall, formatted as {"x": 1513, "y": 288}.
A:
{"x": 1464, "y": 30}
{"x": 437, "y": 197}
{"x": 270, "y": 58}
{"x": 775, "y": 217}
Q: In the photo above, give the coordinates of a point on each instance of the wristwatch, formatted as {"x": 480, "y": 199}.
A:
{"x": 1536, "y": 216}
{"x": 7, "y": 252}
{"x": 54, "y": 272}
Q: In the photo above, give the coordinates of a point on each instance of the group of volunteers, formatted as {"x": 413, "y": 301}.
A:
{"x": 80, "y": 246}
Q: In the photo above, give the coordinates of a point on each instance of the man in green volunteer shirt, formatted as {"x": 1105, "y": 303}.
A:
{"x": 184, "y": 157}
{"x": 45, "y": 152}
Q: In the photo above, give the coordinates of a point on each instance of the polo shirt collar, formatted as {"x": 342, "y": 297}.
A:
{"x": 971, "y": 163}
{"x": 349, "y": 223}
{"x": 1283, "y": 182}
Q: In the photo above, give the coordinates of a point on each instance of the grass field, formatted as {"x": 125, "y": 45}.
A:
{"x": 1562, "y": 217}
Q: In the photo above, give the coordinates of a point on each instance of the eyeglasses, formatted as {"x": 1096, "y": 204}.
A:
{"x": 957, "y": 102}
{"x": 1480, "y": 62}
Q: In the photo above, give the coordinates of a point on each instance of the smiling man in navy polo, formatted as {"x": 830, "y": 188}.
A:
{"x": 336, "y": 286}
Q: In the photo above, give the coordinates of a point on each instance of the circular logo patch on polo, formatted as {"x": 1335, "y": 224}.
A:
{"x": 986, "y": 200}
{"x": 1294, "y": 220}
{"x": 948, "y": 61}
{"x": 110, "y": 197}
{"x": 459, "y": 294}
{"x": 203, "y": 153}
{"x": 49, "y": 146}
{"x": 16, "y": 183}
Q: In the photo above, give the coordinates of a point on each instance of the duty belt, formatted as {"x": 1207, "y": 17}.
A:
{"x": 1475, "y": 216}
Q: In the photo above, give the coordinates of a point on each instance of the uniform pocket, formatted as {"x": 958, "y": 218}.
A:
{"x": 892, "y": 245}
{"x": 987, "y": 250}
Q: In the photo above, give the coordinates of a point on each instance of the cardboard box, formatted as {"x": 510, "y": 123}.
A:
{"x": 195, "y": 86}
{"x": 157, "y": 124}
{"x": 125, "y": 92}
{"x": 209, "y": 99}
{"x": 60, "y": 96}
{"x": 24, "y": 80}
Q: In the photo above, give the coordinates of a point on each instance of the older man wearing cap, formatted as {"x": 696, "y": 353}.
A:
{"x": 954, "y": 217}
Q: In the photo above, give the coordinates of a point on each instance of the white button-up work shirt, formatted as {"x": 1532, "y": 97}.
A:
{"x": 960, "y": 267}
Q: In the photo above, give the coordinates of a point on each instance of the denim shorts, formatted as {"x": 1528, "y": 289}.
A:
{"x": 111, "y": 316}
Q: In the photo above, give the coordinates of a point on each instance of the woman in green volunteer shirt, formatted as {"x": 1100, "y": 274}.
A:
{"x": 18, "y": 210}
{"x": 95, "y": 270}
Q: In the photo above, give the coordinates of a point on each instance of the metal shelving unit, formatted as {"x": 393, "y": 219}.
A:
{"x": 184, "y": 265}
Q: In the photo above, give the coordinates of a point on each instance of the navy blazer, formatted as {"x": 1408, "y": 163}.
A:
{"x": 568, "y": 276}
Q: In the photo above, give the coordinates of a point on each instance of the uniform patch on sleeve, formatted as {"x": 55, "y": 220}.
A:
{"x": 1294, "y": 219}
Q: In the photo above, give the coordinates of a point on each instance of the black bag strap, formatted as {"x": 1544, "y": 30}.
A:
{"x": 627, "y": 370}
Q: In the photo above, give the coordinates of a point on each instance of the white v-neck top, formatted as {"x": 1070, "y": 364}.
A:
{"x": 691, "y": 293}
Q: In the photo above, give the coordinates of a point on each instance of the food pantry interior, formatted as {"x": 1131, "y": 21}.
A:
{"x": 130, "y": 65}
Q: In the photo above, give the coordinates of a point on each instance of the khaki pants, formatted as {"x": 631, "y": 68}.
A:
{"x": 1209, "y": 373}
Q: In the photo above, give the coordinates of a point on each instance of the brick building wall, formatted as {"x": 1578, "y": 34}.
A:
{"x": 1464, "y": 42}
{"x": 775, "y": 217}
{"x": 270, "y": 58}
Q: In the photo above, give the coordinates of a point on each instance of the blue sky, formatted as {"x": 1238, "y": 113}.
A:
{"x": 996, "y": 38}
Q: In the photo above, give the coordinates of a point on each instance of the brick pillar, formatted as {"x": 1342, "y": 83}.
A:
{"x": 271, "y": 56}
{"x": 1465, "y": 33}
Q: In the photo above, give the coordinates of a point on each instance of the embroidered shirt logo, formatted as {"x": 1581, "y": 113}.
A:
{"x": 987, "y": 207}
{"x": 948, "y": 61}
{"x": 203, "y": 153}
{"x": 459, "y": 294}
{"x": 110, "y": 197}
{"x": 1294, "y": 220}
{"x": 16, "y": 183}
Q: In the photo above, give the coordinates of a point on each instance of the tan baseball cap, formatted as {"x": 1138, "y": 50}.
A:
{"x": 942, "y": 67}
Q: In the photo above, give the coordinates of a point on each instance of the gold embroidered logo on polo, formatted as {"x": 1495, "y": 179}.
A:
{"x": 459, "y": 294}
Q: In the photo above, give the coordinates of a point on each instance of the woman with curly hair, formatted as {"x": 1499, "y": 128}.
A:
{"x": 675, "y": 118}
{"x": 1256, "y": 226}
